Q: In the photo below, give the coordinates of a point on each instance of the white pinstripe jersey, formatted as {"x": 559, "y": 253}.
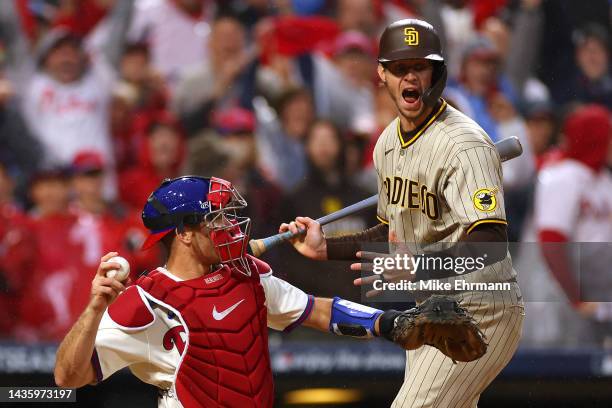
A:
{"x": 439, "y": 182}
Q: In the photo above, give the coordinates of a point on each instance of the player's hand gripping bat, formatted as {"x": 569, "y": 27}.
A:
{"x": 508, "y": 149}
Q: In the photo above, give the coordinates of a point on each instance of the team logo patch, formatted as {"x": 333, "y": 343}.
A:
{"x": 411, "y": 36}
{"x": 485, "y": 200}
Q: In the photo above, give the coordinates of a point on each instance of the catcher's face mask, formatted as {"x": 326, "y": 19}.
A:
{"x": 193, "y": 200}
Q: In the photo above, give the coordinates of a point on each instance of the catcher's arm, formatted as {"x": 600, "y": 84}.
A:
{"x": 73, "y": 367}
{"x": 439, "y": 322}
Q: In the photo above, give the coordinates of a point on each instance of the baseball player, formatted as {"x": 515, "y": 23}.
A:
{"x": 439, "y": 181}
{"x": 573, "y": 203}
{"x": 197, "y": 327}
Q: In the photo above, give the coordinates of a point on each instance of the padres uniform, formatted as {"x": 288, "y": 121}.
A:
{"x": 436, "y": 184}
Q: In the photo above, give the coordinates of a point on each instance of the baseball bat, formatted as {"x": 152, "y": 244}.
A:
{"x": 508, "y": 149}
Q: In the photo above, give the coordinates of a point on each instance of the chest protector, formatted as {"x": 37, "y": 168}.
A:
{"x": 225, "y": 360}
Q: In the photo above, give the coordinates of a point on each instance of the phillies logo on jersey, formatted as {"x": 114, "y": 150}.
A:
{"x": 174, "y": 337}
{"x": 598, "y": 210}
{"x": 50, "y": 101}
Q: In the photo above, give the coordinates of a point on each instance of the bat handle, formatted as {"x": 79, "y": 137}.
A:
{"x": 259, "y": 246}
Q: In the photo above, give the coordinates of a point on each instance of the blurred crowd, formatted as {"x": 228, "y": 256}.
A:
{"x": 100, "y": 100}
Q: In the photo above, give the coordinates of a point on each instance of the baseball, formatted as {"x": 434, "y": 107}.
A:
{"x": 122, "y": 273}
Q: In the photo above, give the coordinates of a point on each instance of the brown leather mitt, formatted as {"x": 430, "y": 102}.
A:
{"x": 439, "y": 322}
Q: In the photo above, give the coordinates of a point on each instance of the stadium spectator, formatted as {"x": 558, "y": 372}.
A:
{"x": 557, "y": 51}
{"x": 458, "y": 23}
{"x": 45, "y": 310}
{"x": 104, "y": 225}
{"x": 236, "y": 127}
{"x": 326, "y": 185}
{"x": 15, "y": 45}
{"x": 326, "y": 189}
{"x": 280, "y": 136}
{"x": 485, "y": 94}
{"x": 295, "y": 55}
{"x": 135, "y": 69}
{"x": 220, "y": 81}
{"x": 359, "y": 15}
{"x": 517, "y": 173}
{"x": 206, "y": 155}
{"x": 384, "y": 113}
{"x": 124, "y": 124}
{"x": 478, "y": 82}
{"x": 176, "y": 31}
{"x": 80, "y": 17}
{"x": 522, "y": 45}
{"x": 354, "y": 57}
{"x": 593, "y": 82}
{"x": 542, "y": 130}
{"x": 249, "y": 12}
{"x": 19, "y": 150}
{"x": 16, "y": 253}
{"x": 67, "y": 101}
{"x": 161, "y": 157}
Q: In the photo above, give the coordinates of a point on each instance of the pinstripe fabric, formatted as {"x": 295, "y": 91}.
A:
{"x": 435, "y": 189}
{"x": 433, "y": 380}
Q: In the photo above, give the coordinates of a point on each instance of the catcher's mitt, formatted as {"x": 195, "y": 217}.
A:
{"x": 439, "y": 322}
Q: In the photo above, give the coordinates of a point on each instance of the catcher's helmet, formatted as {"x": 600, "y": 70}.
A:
{"x": 412, "y": 38}
{"x": 191, "y": 200}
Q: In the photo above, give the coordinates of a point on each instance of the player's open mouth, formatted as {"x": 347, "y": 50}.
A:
{"x": 411, "y": 95}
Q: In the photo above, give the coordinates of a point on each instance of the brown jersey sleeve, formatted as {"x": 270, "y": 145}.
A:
{"x": 345, "y": 247}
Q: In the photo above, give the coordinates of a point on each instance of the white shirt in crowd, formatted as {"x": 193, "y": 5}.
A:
{"x": 70, "y": 118}
{"x": 176, "y": 39}
{"x": 576, "y": 201}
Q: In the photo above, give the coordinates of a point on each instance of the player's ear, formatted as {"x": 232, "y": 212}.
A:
{"x": 184, "y": 235}
{"x": 382, "y": 74}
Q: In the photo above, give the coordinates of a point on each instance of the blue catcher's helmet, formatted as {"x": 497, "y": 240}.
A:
{"x": 191, "y": 200}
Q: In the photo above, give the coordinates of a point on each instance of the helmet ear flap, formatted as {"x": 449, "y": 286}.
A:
{"x": 439, "y": 77}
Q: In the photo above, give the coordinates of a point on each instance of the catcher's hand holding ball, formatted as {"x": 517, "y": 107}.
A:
{"x": 105, "y": 289}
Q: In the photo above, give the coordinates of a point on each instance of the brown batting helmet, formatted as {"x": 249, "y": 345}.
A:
{"x": 412, "y": 38}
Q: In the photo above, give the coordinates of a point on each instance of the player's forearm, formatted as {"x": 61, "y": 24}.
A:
{"x": 73, "y": 361}
{"x": 320, "y": 315}
{"x": 345, "y": 247}
{"x": 488, "y": 243}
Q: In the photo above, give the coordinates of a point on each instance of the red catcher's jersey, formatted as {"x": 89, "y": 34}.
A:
{"x": 222, "y": 338}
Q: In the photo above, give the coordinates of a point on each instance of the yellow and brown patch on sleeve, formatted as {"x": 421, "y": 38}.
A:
{"x": 485, "y": 199}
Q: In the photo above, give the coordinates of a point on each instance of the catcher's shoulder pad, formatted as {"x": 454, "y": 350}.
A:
{"x": 259, "y": 266}
{"x": 131, "y": 310}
